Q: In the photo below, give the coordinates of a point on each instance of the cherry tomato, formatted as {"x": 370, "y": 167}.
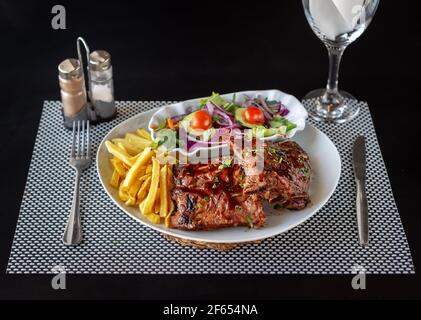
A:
{"x": 201, "y": 120}
{"x": 254, "y": 115}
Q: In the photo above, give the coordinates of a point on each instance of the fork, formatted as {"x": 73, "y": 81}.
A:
{"x": 80, "y": 159}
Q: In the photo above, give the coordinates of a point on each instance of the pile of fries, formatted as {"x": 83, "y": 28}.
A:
{"x": 139, "y": 177}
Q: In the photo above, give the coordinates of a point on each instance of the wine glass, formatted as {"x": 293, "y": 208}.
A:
{"x": 337, "y": 23}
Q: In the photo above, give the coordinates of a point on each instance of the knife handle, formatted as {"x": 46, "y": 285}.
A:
{"x": 362, "y": 213}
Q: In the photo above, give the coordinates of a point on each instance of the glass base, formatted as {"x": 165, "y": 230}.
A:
{"x": 331, "y": 108}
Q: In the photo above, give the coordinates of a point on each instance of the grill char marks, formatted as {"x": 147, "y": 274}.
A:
{"x": 217, "y": 195}
{"x": 285, "y": 176}
{"x": 211, "y": 197}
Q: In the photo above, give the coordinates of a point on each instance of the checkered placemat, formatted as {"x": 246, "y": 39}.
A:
{"x": 115, "y": 243}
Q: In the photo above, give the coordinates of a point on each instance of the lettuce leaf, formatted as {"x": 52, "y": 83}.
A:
{"x": 229, "y": 107}
{"x": 278, "y": 122}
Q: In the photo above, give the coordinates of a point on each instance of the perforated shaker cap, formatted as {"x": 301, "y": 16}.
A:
{"x": 70, "y": 69}
{"x": 99, "y": 60}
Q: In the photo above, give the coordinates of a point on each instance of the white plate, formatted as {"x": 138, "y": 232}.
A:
{"x": 324, "y": 159}
{"x": 297, "y": 114}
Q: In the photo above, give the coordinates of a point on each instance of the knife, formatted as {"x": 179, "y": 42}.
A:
{"x": 359, "y": 163}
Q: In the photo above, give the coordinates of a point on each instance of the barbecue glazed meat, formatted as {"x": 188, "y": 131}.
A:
{"x": 210, "y": 196}
{"x": 285, "y": 176}
{"x": 224, "y": 194}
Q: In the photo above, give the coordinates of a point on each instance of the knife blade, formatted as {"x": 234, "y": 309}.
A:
{"x": 359, "y": 164}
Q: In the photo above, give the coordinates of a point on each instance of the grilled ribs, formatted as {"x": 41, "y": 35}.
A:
{"x": 211, "y": 196}
{"x": 285, "y": 176}
{"x": 225, "y": 194}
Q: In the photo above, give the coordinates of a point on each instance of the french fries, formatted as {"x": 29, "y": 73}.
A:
{"x": 123, "y": 194}
{"x": 115, "y": 179}
{"x": 157, "y": 204}
{"x": 136, "y": 169}
{"x": 119, "y": 167}
{"x": 118, "y": 153}
{"x": 148, "y": 205}
{"x": 170, "y": 202}
{"x": 149, "y": 168}
{"x": 143, "y": 133}
{"x": 141, "y": 195}
{"x": 163, "y": 192}
{"x": 134, "y": 188}
{"x": 139, "y": 177}
{"x": 132, "y": 147}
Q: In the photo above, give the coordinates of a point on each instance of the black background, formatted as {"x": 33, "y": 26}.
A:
{"x": 174, "y": 50}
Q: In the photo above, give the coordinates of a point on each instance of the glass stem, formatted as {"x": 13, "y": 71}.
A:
{"x": 335, "y": 56}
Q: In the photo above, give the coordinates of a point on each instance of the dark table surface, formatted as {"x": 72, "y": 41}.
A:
{"x": 174, "y": 50}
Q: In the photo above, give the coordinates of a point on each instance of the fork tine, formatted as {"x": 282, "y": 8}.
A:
{"x": 72, "y": 151}
{"x": 88, "y": 142}
{"x": 78, "y": 140}
{"x": 82, "y": 152}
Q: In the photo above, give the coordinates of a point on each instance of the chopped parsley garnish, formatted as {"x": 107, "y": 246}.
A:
{"x": 226, "y": 164}
{"x": 241, "y": 181}
{"x": 206, "y": 198}
{"x": 276, "y": 153}
{"x": 249, "y": 220}
{"x": 215, "y": 183}
{"x": 306, "y": 172}
{"x": 273, "y": 151}
{"x": 301, "y": 158}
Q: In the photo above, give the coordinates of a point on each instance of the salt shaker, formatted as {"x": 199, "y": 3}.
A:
{"x": 101, "y": 86}
{"x": 73, "y": 92}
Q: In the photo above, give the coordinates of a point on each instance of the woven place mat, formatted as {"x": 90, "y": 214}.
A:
{"x": 114, "y": 243}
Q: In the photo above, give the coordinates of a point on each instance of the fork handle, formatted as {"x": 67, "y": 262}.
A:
{"x": 73, "y": 232}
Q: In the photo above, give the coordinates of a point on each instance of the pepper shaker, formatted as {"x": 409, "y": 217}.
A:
{"x": 101, "y": 86}
{"x": 73, "y": 92}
